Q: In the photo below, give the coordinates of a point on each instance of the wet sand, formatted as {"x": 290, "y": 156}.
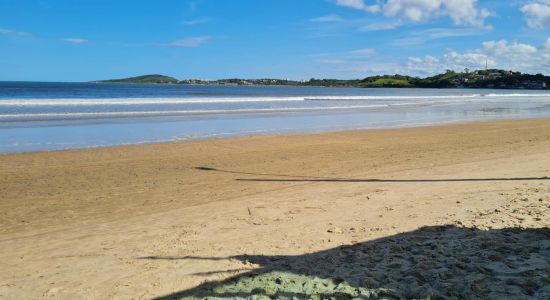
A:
{"x": 466, "y": 207}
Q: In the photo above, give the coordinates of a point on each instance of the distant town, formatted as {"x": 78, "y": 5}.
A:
{"x": 488, "y": 78}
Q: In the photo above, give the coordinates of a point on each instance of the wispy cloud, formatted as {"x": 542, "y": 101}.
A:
{"x": 355, "y": 63}
{"x": 327, "y": 19}
{"x": 7, "y": 31}
{"x": 356, "y": 68}
{"x": 365, "y": 52}
{"x": 380, "y": 26}
{"x": 423, "y": 36}
{"x": 345, "y": 56}
{"x": 74, "y": 40}
{"x": 199, "y": 21}
{"x": 331, "y": 61}
{"x": 191, "y": 42}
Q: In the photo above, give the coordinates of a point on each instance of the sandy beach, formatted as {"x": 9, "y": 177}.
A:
{"x": 455, "y": 211}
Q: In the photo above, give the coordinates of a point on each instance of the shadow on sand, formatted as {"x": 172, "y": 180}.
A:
{"x": 439, "y": 262}
{"x": 300, "y": 178}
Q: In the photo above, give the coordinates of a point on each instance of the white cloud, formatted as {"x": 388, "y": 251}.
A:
{"x": 497, "y": 54}
{"x": 327, "y": 19}
{"x": 360, "y": 5}
{"x": 427, "y": 64}
{"x": 462, "y": 12}
{"x": 191, "y": 42}
{"x": 412, "y": 10}
{"x": 74, "y": 40}
{"x": 537, "y": 13}
{"x": 452, "y": 60}
{"x": 7, "y": 31}
{"x": 509, "y": 50}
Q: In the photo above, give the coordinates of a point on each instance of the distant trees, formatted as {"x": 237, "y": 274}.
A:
{"x": 492, "y": 78}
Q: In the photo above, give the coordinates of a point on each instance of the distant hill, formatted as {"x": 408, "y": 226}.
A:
{"x": 493, "y": 78}
{"x": 388, "y": 81}
{"x": 153, "y": 78}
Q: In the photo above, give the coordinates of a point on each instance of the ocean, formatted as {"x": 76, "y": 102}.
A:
{"x": 36, "y": 116}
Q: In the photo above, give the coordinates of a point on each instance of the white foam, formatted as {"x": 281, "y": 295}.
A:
{"x": 248, "y": 99}
{"x": 139, "y": 101}
{"x": 426, "y": 97}
{"x": 517, "y": 95}
{"x": 191, "y": 112}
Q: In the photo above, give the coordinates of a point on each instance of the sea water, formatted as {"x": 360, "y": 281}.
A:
{"x": 38, "y": 116}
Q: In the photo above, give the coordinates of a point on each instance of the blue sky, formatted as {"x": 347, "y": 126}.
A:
{"x": 70, "y": 40}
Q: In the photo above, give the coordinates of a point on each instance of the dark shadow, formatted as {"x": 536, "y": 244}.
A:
{"x": 181, "y": 257}
{"x": 299, "y": 178}
{"x": 439, "y": 262}
{"x": 209, "y": 169}
{"x": 222, "y": 271}
{"x": 394, "y": 180}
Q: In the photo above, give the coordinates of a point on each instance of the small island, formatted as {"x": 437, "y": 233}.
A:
{"x": 152, "y": 78}
{"x": 488, "y": 78}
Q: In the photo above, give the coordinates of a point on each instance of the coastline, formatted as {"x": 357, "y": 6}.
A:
{"x": 333, "y": 129}
{"x": 87, "y": 222}
{"x": 274, "y": 135}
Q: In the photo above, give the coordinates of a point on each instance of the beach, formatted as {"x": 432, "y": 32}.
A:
{"x": 450, "y": 210}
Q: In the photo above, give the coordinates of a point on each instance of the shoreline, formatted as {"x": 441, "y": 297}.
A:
{"x": 274, "y": 135}
{"x": 155, "y": 220}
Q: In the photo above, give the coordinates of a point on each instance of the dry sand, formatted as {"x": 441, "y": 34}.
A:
{"x": 457, "y": 211}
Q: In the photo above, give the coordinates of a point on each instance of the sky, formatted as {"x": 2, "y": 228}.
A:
{"x": 82, "y": 40}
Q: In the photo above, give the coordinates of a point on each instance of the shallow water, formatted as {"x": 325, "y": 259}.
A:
{"x": 53, "y": 116}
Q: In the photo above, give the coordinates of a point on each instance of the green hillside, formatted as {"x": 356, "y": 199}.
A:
{"x": 153, "y": 78}
{"x": 387, "y": 81}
